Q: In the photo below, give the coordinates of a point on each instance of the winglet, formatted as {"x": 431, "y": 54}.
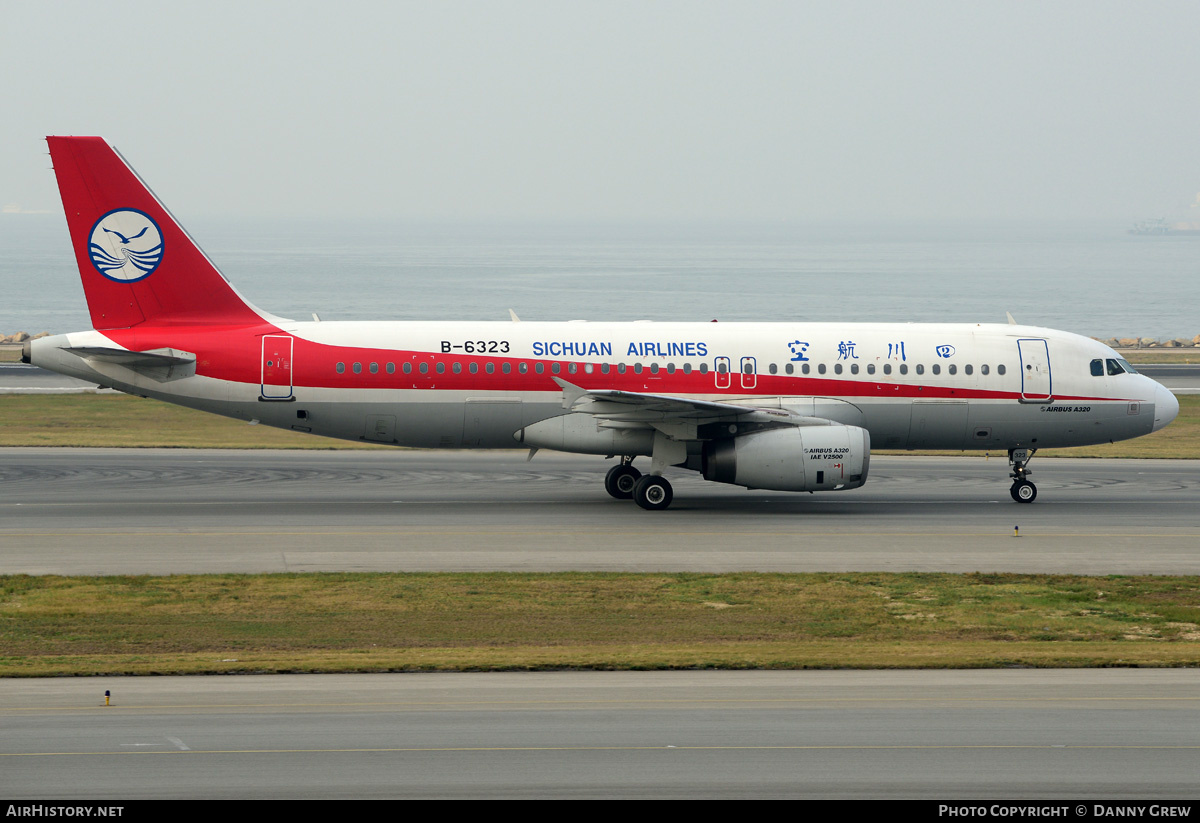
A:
{"x": 571, "y": 392}
{"x": 513, "y": 315}
{"x": 1011, "y": 322}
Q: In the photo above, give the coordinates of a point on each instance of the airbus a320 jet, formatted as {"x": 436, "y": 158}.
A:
{"x": 791, "y": 406}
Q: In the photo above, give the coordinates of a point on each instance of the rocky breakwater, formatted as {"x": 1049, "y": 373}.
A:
{"x": 1151, "y": 343}
{"x": 17, "y": 338}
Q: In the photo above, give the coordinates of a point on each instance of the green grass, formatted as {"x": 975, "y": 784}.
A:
{"x": 119, "y": 420}
{"x": 1191, "y": 355}
{"x": 503, "y": 621}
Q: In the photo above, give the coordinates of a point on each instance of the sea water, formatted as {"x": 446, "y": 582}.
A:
{"x": 1092, "y": 279}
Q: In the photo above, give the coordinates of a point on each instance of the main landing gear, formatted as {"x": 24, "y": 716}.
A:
{"x": 1022, "y": 490}
{"x": 652, "y": 492}
{"x": 621, "y": 479}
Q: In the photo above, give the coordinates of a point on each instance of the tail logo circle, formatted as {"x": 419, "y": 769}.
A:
{"x": 125, "y": 245}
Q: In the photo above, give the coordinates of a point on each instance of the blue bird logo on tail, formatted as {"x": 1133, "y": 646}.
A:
{"x": 126, "y": 245}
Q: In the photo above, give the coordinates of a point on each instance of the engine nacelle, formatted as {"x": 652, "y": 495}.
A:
{"x": 800, "y": 459}
{"x": 579, "y": 433}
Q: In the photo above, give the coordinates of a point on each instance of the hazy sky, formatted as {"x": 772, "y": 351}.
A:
{"x": 616, "y": 110}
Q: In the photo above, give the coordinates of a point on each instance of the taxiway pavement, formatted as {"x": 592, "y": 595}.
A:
{"x": 133, "y": 511}
{"x": 1101, "y": 734}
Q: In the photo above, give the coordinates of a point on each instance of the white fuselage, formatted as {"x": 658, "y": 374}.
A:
{"x": 477, "y": 385}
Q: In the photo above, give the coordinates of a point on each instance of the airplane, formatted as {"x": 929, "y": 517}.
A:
{"x": 788, "y": 406}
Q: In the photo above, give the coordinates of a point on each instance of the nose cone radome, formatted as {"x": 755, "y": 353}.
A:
{"x": 1166, "y": 407}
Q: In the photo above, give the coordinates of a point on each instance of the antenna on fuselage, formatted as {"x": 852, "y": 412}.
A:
{"x": 513, "y": 315}
{"x": 1011, "y": 321}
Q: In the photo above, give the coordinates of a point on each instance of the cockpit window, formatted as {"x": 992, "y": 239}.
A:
{"x": 1097, "y": 368}
{"x": 1119, "y": 367}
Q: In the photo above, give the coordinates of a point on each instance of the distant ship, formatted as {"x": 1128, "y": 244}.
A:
{"x": 1160, "y": 226}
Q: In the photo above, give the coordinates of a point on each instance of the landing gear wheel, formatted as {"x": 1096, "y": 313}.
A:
{"x": 1023, "y": 491}
{"x": 652, "y": 493}
{"x": 620, "y": 480}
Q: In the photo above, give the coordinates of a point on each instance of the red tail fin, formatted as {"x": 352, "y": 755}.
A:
{"x": 136, "y": 262}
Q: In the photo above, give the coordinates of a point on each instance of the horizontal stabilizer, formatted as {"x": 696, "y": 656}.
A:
{"x": 157, "y": 364}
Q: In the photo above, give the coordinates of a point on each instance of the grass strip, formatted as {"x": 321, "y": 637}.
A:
{"x": 205, "y": 624}
{"x": 117, "y": 420}
{"x": 1161, "y": 355}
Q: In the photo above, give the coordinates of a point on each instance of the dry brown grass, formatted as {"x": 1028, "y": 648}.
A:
{"x": 376, "y": 622}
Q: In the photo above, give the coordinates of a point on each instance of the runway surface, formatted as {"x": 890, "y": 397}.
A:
{"x": 1181, "y": 378}
{"x": 20, "y": 378}
{"x": 85, "y": 511}
{"x": 935, "y": 735}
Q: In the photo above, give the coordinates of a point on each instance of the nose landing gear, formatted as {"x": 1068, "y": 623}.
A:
{"x": 1022, "y": 491}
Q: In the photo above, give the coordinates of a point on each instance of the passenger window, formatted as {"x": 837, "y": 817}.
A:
{"x": 654, "y": 368}
{"x": 555, "y": 368}
{"x": 620, "y": 368}
{"x": 391, "y": 368}
{"x": 457, "y": 368}
{"x": 821, "y": 368}
{"x": 953, "y": 369}
{"x": 523, "y": 367}
{"x": 424, "y": 368}
{"x": 804, "y": 368}
{"x": 374, "y": 368}
{"x": 490, "y": 368}
{"x": 357, "y": 368}
{"x": 408, "y": 368}
{"x": 687, "y": 368}
{"x": 637, "y": 368}
{"x": 441, "y": 368}
{"x": 670, "y": 368}
{"x": 967, "y": 369}
{"x": 537, "y": 367}
{"x": 887, "y": 368}
{"x": 789, "y": 368}
{"x": 340, "y": 368}
{"x": 474, "y": 367}
{"x": 920, "y": 369}
{"x": 773, "y": 369}
{"x": 604, "y": 368}
{"x": 937, "y": 369}
{"x": 722, "y": 367}
{"x": 572, "y": 368}
{"x": 854, "y": 368}
{"x": 837, "y": 368}
{"x": 587, "y": 368}
{"x": 704, "y": 368}
{"x": 1000, "y": 369}
{"x": 506, "y": 368}
{"x": 904, "y": 368}
{"x": 983, "y": 369}
{"x": 870, "y": 368}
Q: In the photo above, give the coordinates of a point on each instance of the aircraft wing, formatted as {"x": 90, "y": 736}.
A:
{"x": 674, "y": 415}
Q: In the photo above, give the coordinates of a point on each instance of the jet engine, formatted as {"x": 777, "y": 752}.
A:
{"x": 794, "y": 459}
